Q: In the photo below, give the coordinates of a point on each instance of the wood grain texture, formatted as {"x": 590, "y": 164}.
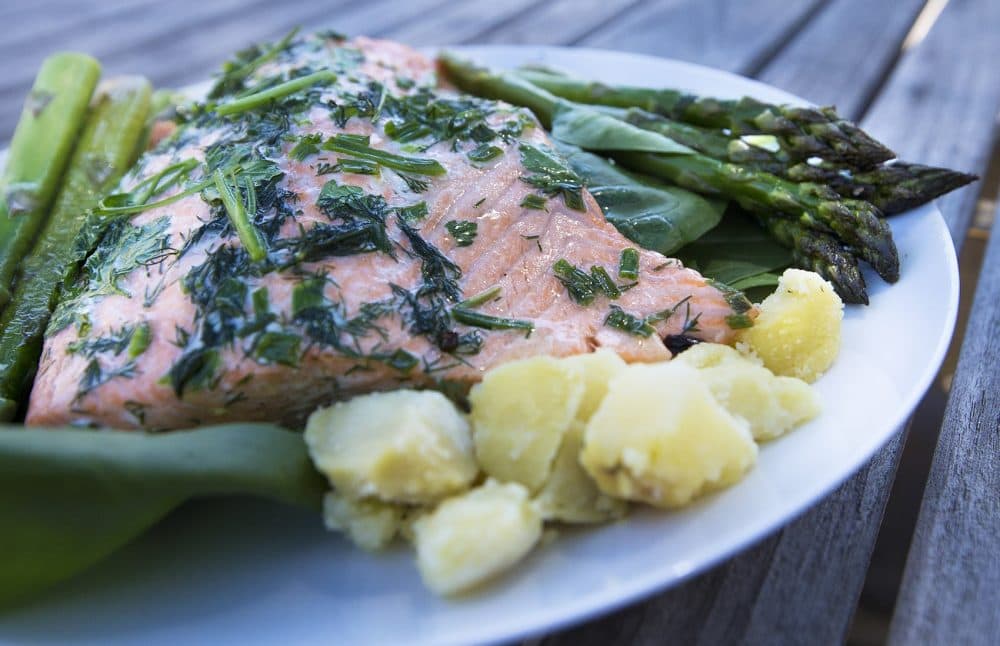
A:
{"x": 733, "y": 35}
{"x": 849, "y": 44}
{"x": 949, "y": 590}
{"x": 940, "y": 105}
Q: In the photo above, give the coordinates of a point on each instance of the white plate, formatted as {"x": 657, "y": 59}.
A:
{"x": 253, "y": 572}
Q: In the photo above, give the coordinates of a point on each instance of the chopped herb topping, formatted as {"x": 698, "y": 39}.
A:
{"x": 551, "y": 175}
{"x": 644, "y": 327}
{"x": 306, "y": 146}
{"x": 463, "y": 231}
{"x": 358, "y": 147}
{"x": 739, "y": 321}
{"x": 484, "y": 153}
{"x": 246, "y": 62}
{"x": 534, "y": 201}
{"x": 599, "y": 275}
{"x": 481, "y": 298}
{"x": 237, "y": 212}
{"x": 359, "y": 166}
{"x": 413, "y": 212}
{"x": 477, "y": 319}
{"x": 264, "y": 97}
{"x": 578, "y": 282}
{"x": 628, "y": 266}
{"x": 584, "y": 287}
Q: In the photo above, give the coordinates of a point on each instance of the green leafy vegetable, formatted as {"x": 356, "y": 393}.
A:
{"x": 651, "y": 213}
{"x": 737, "y": 253}
{"x": 591, "y": 129}
{"x": 70, "y": 497}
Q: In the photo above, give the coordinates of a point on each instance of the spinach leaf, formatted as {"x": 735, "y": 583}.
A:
{"x": 649, "y": 212}
{"x": 70, "y": 497}
{"x": 592, "y": 129}
{"x": 738, "y": 253}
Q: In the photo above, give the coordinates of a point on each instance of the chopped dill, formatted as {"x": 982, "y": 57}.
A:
{"x": 463, "y": 231}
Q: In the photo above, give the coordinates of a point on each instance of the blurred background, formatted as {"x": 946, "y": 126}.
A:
{"x": 798, "y": 45}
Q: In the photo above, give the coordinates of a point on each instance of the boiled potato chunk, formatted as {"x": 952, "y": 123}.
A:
{"x": 520, "y": 412}
{"x": 771, "y": 405}
{"x": 797, "y": 333}
{"x": 370, "y": 524}
{"x": 597, "y": 369}
{"x": 403, "y": 446}
{"x": 570, "y": 495}
{"x": 661, "y": 437}
{"x": 471, "y": 538}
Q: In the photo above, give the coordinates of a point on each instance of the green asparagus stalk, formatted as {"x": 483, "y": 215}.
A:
{"x": 50, "y": 122}
{"x": 892, "y": 188}
{"x": 821, "y": 253}
{"x": 856, "y": 223}
{"x": 105, "y": 151}
{"x": 805, "y": 132}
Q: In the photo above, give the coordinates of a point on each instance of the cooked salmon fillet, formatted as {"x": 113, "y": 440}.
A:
{"x": 350, "y": 271}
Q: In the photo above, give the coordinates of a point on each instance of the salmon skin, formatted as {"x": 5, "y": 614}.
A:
{"x": 330, "y": 222}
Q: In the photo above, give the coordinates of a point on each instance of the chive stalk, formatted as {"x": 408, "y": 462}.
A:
{"x": 248, "y": 234}
{"x": 258, "y": 99}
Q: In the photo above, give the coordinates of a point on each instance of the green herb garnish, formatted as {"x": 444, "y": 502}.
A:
{"x": 628, "y": 266}
{"x": 463, "y": 231}
{"x": 580, "y": 285}
{"x": 603, "y": 281}
{"x": 551, "y": 176}
{"x": 281, "y": 90}
{"x": 484, "y": 153}
{"x": 356, "y": 147}
{"x": 485, "y": 321}
{"x": 252, "y": 241}
{"x": 533, "y": 201}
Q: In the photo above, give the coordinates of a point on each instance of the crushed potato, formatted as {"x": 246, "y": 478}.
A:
{"x": 403, "y": 446}
{"x": 570, "y": 440}
{"x": 370, "y": 524}
{"x": 797, "y": 333}
{"x": 772, "y": 405}
{"x": 570, "y": 495}
{"x": 520, "y": 412}
{"x": 474, "y": 537}
{"x": 661, "y": 437}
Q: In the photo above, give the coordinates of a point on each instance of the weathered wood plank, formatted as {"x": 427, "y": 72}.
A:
{"x": 560, "y": 22}
{"x": 806, "y": 579}
{"x": 732, "y": 35}
{"x": 461, "y": 23}
{"x": 949, "y": 590}
{"x": 941, "y": 104}
{"x": 849, "y": 44}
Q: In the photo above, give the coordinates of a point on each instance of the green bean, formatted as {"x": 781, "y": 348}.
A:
{"x": 51, "y": 119}
{"x": 105, "y": 151}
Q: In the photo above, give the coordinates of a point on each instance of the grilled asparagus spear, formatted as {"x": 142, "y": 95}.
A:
{"x": 892, "y": 187}
{"x": 804, "y": 132}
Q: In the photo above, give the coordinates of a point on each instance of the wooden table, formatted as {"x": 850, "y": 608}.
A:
{"x": 919, "y": 75}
